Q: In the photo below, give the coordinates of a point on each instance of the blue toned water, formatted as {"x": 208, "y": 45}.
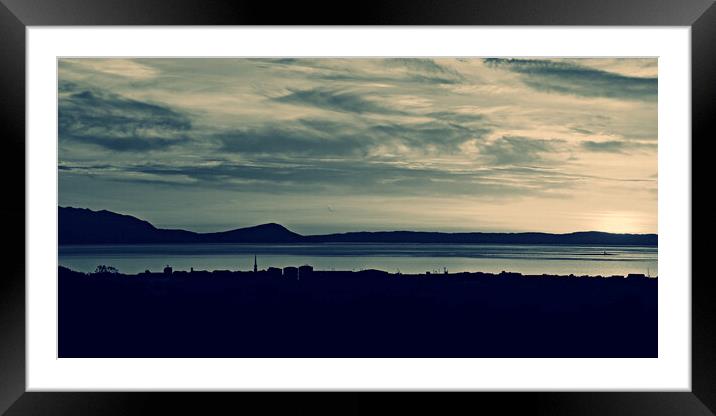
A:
{"x": 407, "y": 258}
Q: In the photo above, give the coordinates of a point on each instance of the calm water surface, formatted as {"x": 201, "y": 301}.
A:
{"x": 407, "y": 258}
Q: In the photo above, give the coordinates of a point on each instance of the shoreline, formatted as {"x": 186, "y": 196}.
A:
{"x": 295, "y": 273}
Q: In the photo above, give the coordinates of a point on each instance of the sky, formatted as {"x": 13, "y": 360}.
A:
{"x": 347, "y": 144}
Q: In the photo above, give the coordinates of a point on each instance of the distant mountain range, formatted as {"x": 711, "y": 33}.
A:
{"x": 84, "y": 226}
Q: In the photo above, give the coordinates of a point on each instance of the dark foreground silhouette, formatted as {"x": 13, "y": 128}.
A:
{"x": 354, "y": 314}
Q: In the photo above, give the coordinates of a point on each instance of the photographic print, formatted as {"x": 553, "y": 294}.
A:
{"x": 357, "y": 207}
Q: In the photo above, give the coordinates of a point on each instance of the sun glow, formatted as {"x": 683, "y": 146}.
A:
{"x": 620, "y": 222}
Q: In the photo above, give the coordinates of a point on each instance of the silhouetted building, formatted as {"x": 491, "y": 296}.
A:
{"x": 273, "y": 272}
{"x": 636, "y": 276}
{"x": 168, "y": 270}
{"x": 290, "y": 272}
{"x": 305, "y": 271}
{"x": 256, "y": 267}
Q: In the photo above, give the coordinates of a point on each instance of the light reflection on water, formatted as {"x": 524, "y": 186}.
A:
{"x": 407, "y": 258}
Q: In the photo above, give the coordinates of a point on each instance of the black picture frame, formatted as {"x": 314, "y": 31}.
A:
{"x": 15, "y": 15}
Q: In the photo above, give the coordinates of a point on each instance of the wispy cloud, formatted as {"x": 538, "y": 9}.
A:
{"x": 570, "y": 78}
{"x": 125, "y": 68}
{"x": 294, "y": 139}
{"x": 118, "y": 123}
{"x": 335, "y": 100}
{"x": 616, "y": 146}
{"x": 519, "y": 150}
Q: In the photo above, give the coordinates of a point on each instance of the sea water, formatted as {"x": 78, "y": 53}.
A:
{"x": 405, "y": 258}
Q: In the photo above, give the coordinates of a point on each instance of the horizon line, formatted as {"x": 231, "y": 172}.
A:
{"x": 360, "y": 231}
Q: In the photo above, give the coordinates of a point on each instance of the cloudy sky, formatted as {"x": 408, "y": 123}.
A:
{"x": 330, "y": 145}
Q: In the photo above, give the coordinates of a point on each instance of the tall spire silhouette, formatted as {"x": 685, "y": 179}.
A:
{"x": 256, "y": 268}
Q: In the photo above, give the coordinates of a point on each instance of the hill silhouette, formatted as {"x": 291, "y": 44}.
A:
{"x": 85, "y": 226}
{"x": 584, "y": 237}
{"x": 265, "y": 233}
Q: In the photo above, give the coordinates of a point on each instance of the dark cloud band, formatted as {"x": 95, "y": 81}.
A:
{"x": 118, "y": 123}
{"x": 567, "y": 78}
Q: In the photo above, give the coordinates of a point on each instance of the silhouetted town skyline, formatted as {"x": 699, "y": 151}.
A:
{"x": 306, "y": 270}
